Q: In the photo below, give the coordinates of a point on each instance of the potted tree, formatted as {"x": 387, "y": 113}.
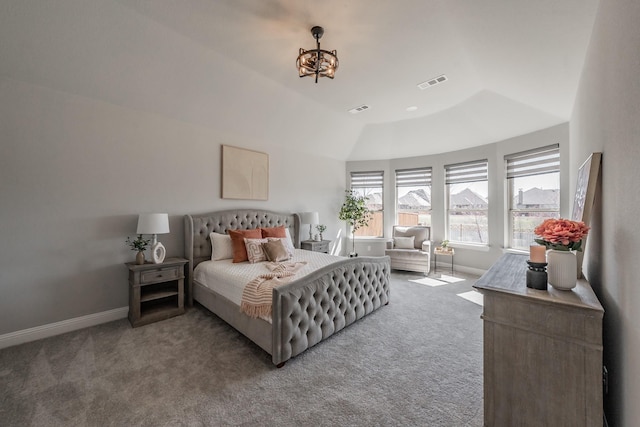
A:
{"x": 354, "y": 210}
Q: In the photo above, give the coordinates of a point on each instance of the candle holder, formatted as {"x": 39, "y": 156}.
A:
{"x": 537, "y": 275}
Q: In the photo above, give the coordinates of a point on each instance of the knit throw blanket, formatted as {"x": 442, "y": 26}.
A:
{"x": 258, "y": 293}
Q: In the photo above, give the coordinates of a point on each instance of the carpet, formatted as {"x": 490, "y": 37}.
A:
{"x": 450, "y": 279}
{"x": 415, "y": 362}
{"x": 429, "y": 281}
{"x": 473, "y": 296}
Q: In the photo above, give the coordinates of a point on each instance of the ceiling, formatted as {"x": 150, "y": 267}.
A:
{"x": 512, "y": 65}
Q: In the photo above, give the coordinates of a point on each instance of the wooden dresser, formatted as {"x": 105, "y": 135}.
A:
{"x": 542, "y": 351}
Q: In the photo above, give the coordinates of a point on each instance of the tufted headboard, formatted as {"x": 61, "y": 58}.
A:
{"x": 197, "y": 244}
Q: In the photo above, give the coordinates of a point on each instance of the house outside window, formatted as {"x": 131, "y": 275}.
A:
{"x": 533, "y": 191}
{"x": 370, "y": 185}
{"x": 413, "y": 196}
{"x": 467, "y": 190}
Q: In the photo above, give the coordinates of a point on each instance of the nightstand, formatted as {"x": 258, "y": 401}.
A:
{"x": 156, "y": 291}
{"x": 315, "y": 246}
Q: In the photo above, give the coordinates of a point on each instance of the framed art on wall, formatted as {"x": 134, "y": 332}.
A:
{"x": 586, "y": 187}
{"x": 245, "y": 174}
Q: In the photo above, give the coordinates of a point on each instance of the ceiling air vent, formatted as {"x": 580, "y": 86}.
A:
{"x": 433, "y": 82}
{"x": 359, "y": 109}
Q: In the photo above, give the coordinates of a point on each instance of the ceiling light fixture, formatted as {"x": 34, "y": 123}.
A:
{"x": 317, "y": 62}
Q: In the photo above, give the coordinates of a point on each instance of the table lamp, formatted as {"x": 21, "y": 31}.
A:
{"x": 310, "y": 218}
{"x": 154, "y": 224}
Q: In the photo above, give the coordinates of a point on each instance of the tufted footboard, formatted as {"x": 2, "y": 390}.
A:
{"x": 313, "y": 308}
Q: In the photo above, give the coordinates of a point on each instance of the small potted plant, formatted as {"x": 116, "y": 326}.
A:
{"x": 139, "y": 245}
{"x": 445, "y": 245}
{"x": 321, "y": 228}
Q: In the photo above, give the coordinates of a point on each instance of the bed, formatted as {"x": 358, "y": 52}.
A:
{"x": 306, "y": 310}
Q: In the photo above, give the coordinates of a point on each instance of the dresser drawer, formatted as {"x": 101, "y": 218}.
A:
{"x": 160, "y": 275}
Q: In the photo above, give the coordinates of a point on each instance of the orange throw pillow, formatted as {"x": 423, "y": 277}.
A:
{"x": 237, "y": 241}
{"x": 274, "y": 232}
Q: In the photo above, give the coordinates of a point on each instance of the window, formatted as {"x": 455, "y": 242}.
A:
{"x": 467, "y": 202}
{"x": 369, "y": 184}
{"x": 533, "y": 179}
{"x": 413, "y": 196}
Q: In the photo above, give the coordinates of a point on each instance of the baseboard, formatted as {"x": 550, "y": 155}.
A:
{"x": 64, "y": 326}
{"x": 444, "y": 267}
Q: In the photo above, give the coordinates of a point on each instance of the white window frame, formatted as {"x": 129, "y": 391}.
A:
{"x": 460, "y": 173}
{"x": 370, "y": 179}
{"x": 414, "y": 177}
{"x": 537, "y": 161}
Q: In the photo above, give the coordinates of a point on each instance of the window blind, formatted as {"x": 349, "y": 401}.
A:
{"x": 367, "y": 179}
{"x": 419, "y": 177}
{"x": 533, "y": 162}
{"x": 467, "y": 172}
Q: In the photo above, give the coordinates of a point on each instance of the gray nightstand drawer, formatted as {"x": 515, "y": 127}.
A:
{"x": 315, "y": 246}
{"x": 160, "y": 275}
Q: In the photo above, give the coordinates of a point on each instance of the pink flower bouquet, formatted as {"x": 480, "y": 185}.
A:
{"x": 561, "y": 234}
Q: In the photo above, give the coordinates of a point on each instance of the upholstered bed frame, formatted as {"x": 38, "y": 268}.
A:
{"x": 304, "y": 311}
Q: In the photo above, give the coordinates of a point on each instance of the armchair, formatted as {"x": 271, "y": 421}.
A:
{"x": 410, "y": 248}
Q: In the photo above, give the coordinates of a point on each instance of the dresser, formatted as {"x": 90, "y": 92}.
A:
{"x": 542, "y": 351}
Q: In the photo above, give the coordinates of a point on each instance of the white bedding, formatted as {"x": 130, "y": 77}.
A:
{"x": 229, "y": 279}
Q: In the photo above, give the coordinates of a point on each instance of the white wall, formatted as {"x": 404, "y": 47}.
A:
{"x": 106, "y": 113}
{"x": 478, "y": 259}
{"x": 74, "y": 174}
{"x": 606, "y": 118}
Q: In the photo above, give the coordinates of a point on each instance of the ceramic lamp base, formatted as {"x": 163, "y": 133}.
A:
{"x": 158, "y": 253}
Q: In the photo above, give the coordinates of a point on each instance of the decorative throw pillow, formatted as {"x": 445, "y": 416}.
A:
{"x": 254, "y": 250}
{"x": 404, "y": 242}
{"x": 275, "y": 251}
{"x": 274, "y": 232}
{"x": 237, "y": 240}
{"x": 285, "y": 243}
{"x": 221, "y": 247}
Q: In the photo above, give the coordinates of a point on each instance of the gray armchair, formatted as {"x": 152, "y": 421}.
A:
{"x": 410, "y": 248}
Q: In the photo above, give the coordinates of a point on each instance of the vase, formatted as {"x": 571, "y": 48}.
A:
{"x": 140, "y": 258}
{"x": 562, "y": 269}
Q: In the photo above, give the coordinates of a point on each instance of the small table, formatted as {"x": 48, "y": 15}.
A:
{"x": 156, "y": 291}
{"x": 315, "y": 245}
{"x": 442, "y": 252}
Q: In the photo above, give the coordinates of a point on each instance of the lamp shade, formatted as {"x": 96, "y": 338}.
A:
{"x": 153, "y": 223}
{"x": 309, "y": 218}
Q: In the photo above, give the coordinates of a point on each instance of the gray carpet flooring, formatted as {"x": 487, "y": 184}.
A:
{"x": 415, "y": 362}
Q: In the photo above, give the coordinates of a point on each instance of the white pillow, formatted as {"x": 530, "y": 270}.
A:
{"x": 255, "y": 253}
{"x": 221, "y": 247}
{"x": 404, "y": 242}
{"x": 288, "y": 243}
